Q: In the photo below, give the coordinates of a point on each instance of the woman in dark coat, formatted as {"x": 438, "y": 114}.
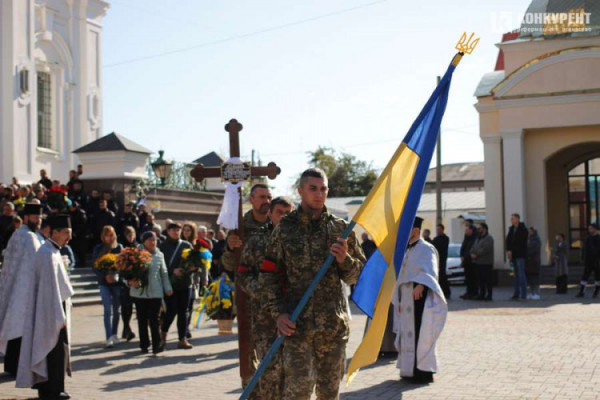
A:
{"x": 532, "y": 267}
{"x": 562, "y": 264}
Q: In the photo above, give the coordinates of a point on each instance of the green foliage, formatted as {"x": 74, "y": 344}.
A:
{"x": 347, "y": 175}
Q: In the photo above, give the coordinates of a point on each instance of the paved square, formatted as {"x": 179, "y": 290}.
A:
{"x": 547, "y": 349}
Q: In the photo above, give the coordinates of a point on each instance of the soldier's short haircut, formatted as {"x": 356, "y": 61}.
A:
{"x": 516, "y": 215}
{"x": 281, "y": 201}
{"x": 258, "y": 186}
{"x": 312, "y": 173}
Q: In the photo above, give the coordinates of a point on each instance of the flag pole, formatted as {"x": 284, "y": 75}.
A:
{"x": 463, "y": 46}
{"x": 307, "y": 295}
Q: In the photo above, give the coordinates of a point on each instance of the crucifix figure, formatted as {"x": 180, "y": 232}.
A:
{"x": 235, "y": 171}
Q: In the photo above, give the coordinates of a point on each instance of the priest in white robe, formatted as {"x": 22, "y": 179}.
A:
{"x": 45, "y": 350}
{"x": 16, "y": 285}
{"x": 420, "y": 310}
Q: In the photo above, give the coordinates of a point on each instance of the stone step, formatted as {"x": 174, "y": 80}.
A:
{"x": 86, "y": 292}
{"x": 84, "y": 285}
{"x": 86, "y": 301}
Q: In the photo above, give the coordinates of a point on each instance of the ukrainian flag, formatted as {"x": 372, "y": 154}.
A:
{"x": 388, "y": 214}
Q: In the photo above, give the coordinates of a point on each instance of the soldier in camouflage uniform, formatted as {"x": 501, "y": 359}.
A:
{"x": 264, "y": 327}
{"x": 315, "y": 349}
{"x": 254, "y": 220}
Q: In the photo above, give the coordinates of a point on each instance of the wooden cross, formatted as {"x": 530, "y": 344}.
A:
{"x": 236, "y": 173}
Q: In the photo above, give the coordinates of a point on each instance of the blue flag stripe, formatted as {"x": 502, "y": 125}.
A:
{"x": 421, "y": 139}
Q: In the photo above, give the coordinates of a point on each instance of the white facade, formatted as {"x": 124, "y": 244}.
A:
{"x": 59, "y": 40}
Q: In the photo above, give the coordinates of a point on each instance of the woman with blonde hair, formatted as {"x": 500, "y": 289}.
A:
{"x": 110, "y": 290}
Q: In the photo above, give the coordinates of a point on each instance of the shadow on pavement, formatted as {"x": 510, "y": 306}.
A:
{"x": 388, "y": 389}
{"x": 163, "y": 359}
{"x": 136, "y": 383}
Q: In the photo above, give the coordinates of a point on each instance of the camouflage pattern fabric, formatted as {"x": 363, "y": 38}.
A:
{"x": 315, "y": 354}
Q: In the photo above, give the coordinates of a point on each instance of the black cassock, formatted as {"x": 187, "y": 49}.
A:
{"x": 56, "y": 368}
{"x": 11, "y": 358}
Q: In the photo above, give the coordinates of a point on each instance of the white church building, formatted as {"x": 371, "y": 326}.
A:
{"x": 50, "y": 84}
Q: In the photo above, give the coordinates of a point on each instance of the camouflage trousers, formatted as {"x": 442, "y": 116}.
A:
{"x": 313, "y": 359}
{"x": 270, "y": 385}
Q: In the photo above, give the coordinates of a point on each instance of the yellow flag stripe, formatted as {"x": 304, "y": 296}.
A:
{"x": 367, "y": 351}
{"x": 380, "y": 216}
{"x": 380, "y": 213}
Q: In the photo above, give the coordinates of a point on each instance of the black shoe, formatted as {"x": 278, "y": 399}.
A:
{"x": 144, "y": 351}
{"x": 64, "y": 396}
{"x": 159, "y": 350}
{"x": 489, "y": 298}
{"x": 130, "y": 336}
{"x": 464, "y": 296}
{"x": 515, "y": 298}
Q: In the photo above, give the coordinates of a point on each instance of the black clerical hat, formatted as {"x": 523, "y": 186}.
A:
{"x": 32, "y": 208}
{"x": 418, "y": 222}
{"x": 59, "y": 221}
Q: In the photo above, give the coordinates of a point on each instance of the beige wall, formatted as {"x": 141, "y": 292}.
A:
{"x": 529, "y": 125}
{"x": 546, "y": 188}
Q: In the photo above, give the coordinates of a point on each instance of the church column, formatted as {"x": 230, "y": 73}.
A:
{"x": 514, "y": 173}
{"x": 494, "y": 204}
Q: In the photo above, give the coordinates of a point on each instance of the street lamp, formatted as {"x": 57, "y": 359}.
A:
{"x": 162, "y": 168}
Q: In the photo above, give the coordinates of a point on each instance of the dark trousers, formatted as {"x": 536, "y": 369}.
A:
{"x": 177, "y": 305}
{"x": 485, "y": 280}
{"x": 11, "y": 358}
{"x": 126, "y": 309}
{"x": 444, "y": 284}
{"x": 191, "y": 302}
{"x": 147, "y": 315}
{"x": 591, "y": 266}
{"x": 472, "y": 280}
{"x": 56, "y": 370}
{"x": 419, "y": 306}
{"x": 562, "y": 282}
{"x": 79, "y": 246}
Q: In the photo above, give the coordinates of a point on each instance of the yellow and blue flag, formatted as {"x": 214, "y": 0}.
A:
{"x": 388, "y": 213}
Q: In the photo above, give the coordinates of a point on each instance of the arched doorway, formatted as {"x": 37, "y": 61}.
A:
{"x": 572, "y": 193}
{"x": 584, "y": 199}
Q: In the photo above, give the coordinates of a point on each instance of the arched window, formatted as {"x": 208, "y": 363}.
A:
{"x": 584, "y": 200}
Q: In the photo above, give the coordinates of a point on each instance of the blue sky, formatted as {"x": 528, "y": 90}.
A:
{"x": 348, "y": 74}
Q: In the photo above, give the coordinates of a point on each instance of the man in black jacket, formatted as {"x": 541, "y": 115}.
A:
{"x": 129, "y": 219}
{"x": 441, "y": 243}
{"x": 471, "y": 277}
{"x": 177, "y": 304}
{"x": 79, "y": 239}
{"x": 591, "y": 257}
{"x": 102, "y": 218}
{"x": 516, "y": 251}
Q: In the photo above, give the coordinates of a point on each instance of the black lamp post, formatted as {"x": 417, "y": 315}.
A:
{"x": 162, "y": 168}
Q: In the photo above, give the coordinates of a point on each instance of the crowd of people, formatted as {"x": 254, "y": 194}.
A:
{"x": 281, "y": 249}
{"x": 88, "y": 225}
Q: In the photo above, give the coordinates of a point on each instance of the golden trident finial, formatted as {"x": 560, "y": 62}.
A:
{"x": 464, "y": 46}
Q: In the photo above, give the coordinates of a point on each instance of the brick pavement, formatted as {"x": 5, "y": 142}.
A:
{"x": 548, "y": 349}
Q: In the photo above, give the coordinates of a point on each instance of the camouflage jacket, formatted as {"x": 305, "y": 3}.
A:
{"x": 247, "y": 277}
{"x": 299, "y": 245}
{"x": 228, "y": 261}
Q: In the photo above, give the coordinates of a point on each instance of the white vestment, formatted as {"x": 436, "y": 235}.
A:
{"x": 16, "y": 283}
{"x": 46, "y": 317}
{"x": 420, "y": 265}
